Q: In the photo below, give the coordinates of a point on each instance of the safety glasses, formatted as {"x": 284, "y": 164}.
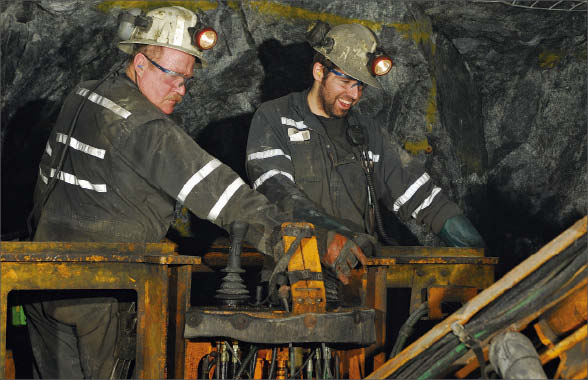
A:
{"x": 173, "y": 78}
{"x": 349, "y": 81}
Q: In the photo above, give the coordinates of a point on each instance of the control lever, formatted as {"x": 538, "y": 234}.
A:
{"x": 233, "y": 291}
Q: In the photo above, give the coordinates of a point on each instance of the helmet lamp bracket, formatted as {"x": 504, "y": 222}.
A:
{"x": 130, "y": 19}
{"x": 317, "y": 32}
{"x": 327, "y": 43}
{"x": 143, "y": 22}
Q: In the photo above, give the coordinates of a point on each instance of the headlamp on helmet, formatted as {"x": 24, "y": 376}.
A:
{"x": 203, "y": 38}
{"x": 379, "y": 63}
{"x": 351, "y": 47}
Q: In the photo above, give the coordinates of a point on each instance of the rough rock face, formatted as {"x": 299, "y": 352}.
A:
{"x": 491, "y": 98}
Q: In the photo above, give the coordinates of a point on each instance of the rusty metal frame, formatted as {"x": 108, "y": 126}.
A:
{"x": 344, "y": 325}
{"x": 144, "y": 268}
{"x": 420, "y": 268}
{"x": 565, "y": 344}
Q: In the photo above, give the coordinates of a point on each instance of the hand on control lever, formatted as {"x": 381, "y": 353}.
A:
{"x": 367, "y": 243}
{"x": 342, "y": 254}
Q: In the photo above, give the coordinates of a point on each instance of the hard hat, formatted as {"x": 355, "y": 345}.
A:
{"x": 353, "y": 48}
{"x": 173, "y": 27}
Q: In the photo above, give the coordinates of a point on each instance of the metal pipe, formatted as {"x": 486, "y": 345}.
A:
{"x": 309, "y": 368}
{"x": 326, "y": 361}
{"x": 292, "y": 360}
{"x": 514, "y": 357}
{"x": 217, "y": 370}
{"x": 235, "y": 359}
{"x": 273, "y": 363}
{"x": 224, "y": 360}
{"x": 318, "y": 365}
{"x": 564, "y": 345}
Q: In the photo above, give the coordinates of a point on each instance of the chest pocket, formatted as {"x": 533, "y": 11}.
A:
{"x": 308, "y": 160}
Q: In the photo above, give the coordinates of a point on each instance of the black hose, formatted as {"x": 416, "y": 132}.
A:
{"x": 546, "y": 284}
{"x": 253, "y": 365}
{"x": 448, "y": 349}
{"x": 455, "y": 349}
{"x": 377, "y": 215}
{"x": 203, "y": 373}
{"x": 273, "y": 363}
{"x": 213, "y": 361}
{"x": 407, "y": 328}
{"x": 252, "y": 351}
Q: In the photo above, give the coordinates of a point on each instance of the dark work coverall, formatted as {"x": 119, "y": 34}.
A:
{"x": 127, "y": 165}
{"x": 292, "y": 158}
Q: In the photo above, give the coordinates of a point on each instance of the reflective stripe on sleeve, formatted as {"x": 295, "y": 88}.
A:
{"x": 267, "y": 154}
{"x": 104, "y": 102}
{"x": 73, "y": 180}
{"x": 410, "y": 191}
{"x": 267, "y": 175}
{"x": 224, "y": 199}
{"x": 196, "y": 178}
{"x": 48, "y": 149}
{"x": 427, "y": 202}
{"x": 78, "y": 145}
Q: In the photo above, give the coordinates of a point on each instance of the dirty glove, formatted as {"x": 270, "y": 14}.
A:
{"x": 458, "y": 231}
{"x": 368, "y": 243}
{"x": 339, "y": 253}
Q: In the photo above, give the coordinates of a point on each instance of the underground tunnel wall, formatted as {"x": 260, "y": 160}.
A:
{"x": 490, "y": 98}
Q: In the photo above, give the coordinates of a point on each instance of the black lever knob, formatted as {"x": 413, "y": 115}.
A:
{"x": 233, "y": 291}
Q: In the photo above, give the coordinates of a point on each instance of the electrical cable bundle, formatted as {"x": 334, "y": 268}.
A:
{"x": 546, "y": 284}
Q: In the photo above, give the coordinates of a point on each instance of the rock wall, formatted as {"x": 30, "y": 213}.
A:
{"x": 491, "y": 98}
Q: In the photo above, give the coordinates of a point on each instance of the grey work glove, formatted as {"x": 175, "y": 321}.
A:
{"x": 458, "y": 231}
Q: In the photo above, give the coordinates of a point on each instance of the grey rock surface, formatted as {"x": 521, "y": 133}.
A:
{"x": 491, "y": 98}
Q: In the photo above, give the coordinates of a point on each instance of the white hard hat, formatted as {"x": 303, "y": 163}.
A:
{"x": 173, "y": 27}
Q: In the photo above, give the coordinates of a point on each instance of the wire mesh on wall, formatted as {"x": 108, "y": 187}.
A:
{"x": 547, "y": 5}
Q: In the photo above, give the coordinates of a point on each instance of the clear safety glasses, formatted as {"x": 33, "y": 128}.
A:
{"x": 173, "y": 78}
{"x": 348, "y": 81}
